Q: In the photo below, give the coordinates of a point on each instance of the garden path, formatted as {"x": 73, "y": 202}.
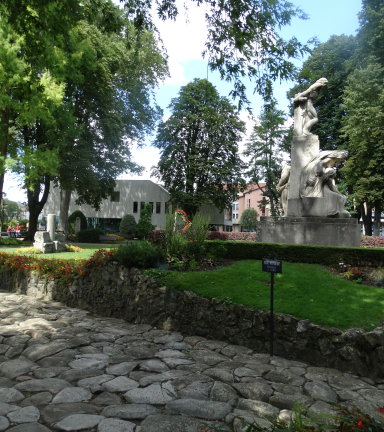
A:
{"x": 62, "y": 369}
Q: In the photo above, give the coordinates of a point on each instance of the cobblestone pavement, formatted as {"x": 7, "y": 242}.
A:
{"x": 62, "y": 369}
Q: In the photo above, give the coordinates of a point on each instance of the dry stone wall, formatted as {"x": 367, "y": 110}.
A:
{"x": 116, "y": 291}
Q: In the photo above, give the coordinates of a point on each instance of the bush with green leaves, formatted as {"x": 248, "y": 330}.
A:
{"x": 139, "y": 254}
{"x": 9, "y": 241}
{"x": 89, "y": 235}
{"x": 72, "y": 221}
{"x": 144, "y": 226}
{"x": 199, "y": 229}
{"x": 248, "y": 220}
{"x": 128, "y": 227}
{"x": 217, "y": 250}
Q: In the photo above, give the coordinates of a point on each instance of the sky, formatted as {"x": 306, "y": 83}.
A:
{"x": 184, "y": 41}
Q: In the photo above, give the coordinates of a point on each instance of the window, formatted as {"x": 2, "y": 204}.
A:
{"x": 237, "y": 207}
{"x": 234, "y": 216}
{"x": 151, "y": 205}
{"x": 263, "y": 208}
{"x": 237, "y": 215}
{"x": 142, "y": 205}
{"x": 166, "y": 207}
{"x": 135, "y": 206}
{"x": 248, "y": 202}
{"x": 115, "y": 197}
{"x": 158, "y": 208}
{"x": 233, "y": 206}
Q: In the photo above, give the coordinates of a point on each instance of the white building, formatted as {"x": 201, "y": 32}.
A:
{"x": 129, "y": 197}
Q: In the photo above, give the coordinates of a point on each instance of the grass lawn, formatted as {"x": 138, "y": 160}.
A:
{"x": 307, "y": 291}
{"x": 65, "y": 256}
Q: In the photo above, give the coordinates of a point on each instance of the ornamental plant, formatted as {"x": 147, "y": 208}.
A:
{"x": 144, "y": 226}
{"x": 128, "y": 227}
{"x": 72, "y": 221}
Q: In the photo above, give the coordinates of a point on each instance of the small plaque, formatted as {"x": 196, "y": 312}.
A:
{"x": 272, "y": 265}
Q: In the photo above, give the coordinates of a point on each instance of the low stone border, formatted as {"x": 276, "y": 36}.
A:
{"x": 114, "y": 290}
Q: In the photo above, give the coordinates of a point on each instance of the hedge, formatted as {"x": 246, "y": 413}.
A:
{"x": 311, "y": 254}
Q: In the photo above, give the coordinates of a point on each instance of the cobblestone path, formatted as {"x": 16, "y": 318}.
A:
{"x": 62, "y": 369}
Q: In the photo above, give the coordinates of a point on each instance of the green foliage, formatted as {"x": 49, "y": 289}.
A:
{"x": 174, "y": 240}
{"x": 199, "y": 230}
{"x": 265, "y": 149}
{"x": 128, "y": 227}
{"x": 193, "y": 249}
{"x": 248, "y": 219}
{"x": 89, "y": 235}
{"x": 11, "y": 208}
{"x": 140, "y": 254}
{"x": 326, "y": 255}
{"x": 72, "y": 221}
{"x": 9, "y": 241}
{"x": 217, "y": 250}
{"x": 199, "y": 161}
{"x": 144, "y": 226}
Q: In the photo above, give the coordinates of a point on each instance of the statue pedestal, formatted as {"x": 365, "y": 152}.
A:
{"x": 323, "y": 231}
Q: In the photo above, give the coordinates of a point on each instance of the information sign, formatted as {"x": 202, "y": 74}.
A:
{"x": 272, "y": 265}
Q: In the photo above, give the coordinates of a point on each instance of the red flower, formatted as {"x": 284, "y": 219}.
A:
{"x": 359, "y": 424}
{"x": 381, "y": 409}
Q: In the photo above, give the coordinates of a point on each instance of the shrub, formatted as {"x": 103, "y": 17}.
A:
{"x": 249, "y": 219}
{"x": 72, "y": 221}
{"x": 144, "y": 226}
{"x": 372, "y": 242}
{"x": 218, "y": 235}
{"x": 128, "y": 227}
{"x": 217, "y": 250}
{"x": 9, "y": 241}
{"x": 199, "y": 230}
{"x": 89, "y": 235}
{"x": 311, "y": 254}
{"x": 141, "y": 254}
{"x": 157, "y": 237}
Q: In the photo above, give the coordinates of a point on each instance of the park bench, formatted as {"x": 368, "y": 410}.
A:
{"x": 107, "y": 238}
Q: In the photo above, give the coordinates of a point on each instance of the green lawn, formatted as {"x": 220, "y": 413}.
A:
{"x": 307, "y": 291}
{"x": 66, "y": 256}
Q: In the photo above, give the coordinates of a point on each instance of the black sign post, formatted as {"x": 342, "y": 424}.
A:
{"x": 271, "y": 265}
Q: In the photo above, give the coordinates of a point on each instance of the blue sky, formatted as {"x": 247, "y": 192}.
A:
{"x": 184, "y": 42}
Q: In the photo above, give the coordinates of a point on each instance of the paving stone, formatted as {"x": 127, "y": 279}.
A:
{"x": 165, "y": 376}
{"x": 178, "y": 346}
{"x": 207, "y": 357}
{"x": 13, "y": 368}
{"x": 6, "y": 383}
{"x": 220, "y": 375}
{"x": 14, "y": 351}
{"x": 130, "y": 411}
{"x": 154, "y": 366}
{"x": 85, "y": 363}
{"x": 38, "y": 400}
{"x": 112, "y": 350}
{"x": 174, "y": 362}
{"x": 193, "y": 340}
{"x": 287, "y": 363}
{"x": 53, "y": 385}
{"x": 38, "y": 341}
{"x": 201, "y": 409}
{"x": 7, "y": 408}
{"x": 372, "y": 395}
{"x": 49, "y": 372}
{"x": 106, "y": 399}
{"x": 284, "y": 378}
{"x": 186, "y": 380}
{"x": 29, "y": 414}
{"x": 53, "y": 361}
{"x": 120, "y": 384}
{"x": 246, "y": 372}
{"x": 37, "y": 352}
{"x": 233, "y": 350}
{"x": 347, "y": 383}
{"x": 230, "y": 365}
{"x": 95, "y": 383}
{"x": 72, "y": 394}
{"x": 255, "y": 391}
{"x": 98, "y": 356}
{"x": 196, "y": 390}
{"x": 4, "y": 423}
{"x": 323, "y": 371}
{"x": 174, "y": 337}
{"x": 286, "y": 389}
{"x": 115, "y": 425}
{"x": 193, "y": 368}
{"x": 79, "y": 422}
{"x": 222, "y": 392}
{"x": 102, "y": 337}
{"x": 53, "y": 413}
{"x": 261, "y": 409}
{"x": 319, "y": 390}
{"x": 10, "y": 395}
{"x": 156, "y": 394}
{"x": 140, "y": 352}
{"x": 317, "y": 409}
{"x": 174, "y": 423}
{"x": 212, "y": 345}
{"x": 3, "y": 348}
{"x": 367, "y": 407}
{"x": 171, "y": 354}
{"x": 245, "y": 416}
{"x": 76, "y": 374}
{"x": 287, "y": 401}
{"x": 32, "y": 427}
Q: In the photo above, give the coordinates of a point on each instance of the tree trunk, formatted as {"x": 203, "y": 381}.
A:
{"x": 367, "y": 218}
{"x": 35, "y": 206}
{"x": 4, "y": 139}
{"x": 376, "y": 223}
{"x": 65, "y": 198}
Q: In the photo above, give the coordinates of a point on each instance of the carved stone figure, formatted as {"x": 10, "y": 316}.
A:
{"x": 305, "y": 113}
{"x": 317, "y": 180}
{"x": 283, "y": 187}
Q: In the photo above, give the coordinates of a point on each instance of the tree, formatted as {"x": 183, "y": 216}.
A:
{"x": 11, "y": 209}
{"x": 72, "y": 221}
{"x": 145, "y": 225}
{"x": 248, "y": 219}
{"x": 243, "y": 38}
{"x": 128, "y": 227}
{"x": 199, "y": 161}
{"x": 265, "y": 150}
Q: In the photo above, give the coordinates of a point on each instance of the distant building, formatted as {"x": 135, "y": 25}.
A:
{"x": 129, "y": 197}
{"x": 249, "y": 199}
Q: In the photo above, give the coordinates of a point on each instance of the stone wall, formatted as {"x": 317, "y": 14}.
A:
{"x": 114, "y": 290}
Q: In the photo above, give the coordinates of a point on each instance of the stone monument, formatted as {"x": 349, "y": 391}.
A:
{"x": 313, "y": 207}
{"x": 49, "y": 241}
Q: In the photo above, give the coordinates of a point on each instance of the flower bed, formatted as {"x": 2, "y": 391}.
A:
{"x": 54, "y": 269}
{"x": 157, "y": 236}
{"x": 372, "y": 242}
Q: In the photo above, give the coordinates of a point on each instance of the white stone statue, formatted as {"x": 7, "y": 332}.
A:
{"x": 305, "y": 113}
{"x": 283, "y": 187}
{"x": 317, "y": 180}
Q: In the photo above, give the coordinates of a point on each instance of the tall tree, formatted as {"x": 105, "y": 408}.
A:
{"x": 199, "y": 161}
{"x": 243, "y": 35}
{"x": 265, "y": 152}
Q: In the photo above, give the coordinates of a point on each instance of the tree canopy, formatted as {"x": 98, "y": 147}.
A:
{"x": 199, "y": 161}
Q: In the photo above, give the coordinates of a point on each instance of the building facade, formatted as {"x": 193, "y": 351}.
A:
{"x": 129, "y": 197}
